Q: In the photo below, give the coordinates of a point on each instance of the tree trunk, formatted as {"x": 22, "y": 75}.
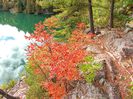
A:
{"x": 111, "y": 13}
{"x": 91, "y": 16}
{"x": 7, "y": 96}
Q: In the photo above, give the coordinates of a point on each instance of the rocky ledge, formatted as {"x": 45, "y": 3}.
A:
{"x": 114, "y": 49}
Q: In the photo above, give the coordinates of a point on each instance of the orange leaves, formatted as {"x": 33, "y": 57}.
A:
{"x": 56, "y": 61}
{"x": 64, "y": 60}
{"x": 91, "y": 35}
{"x": 56, "y": 90}
{"x": 81, "y": 26}
{"x": 79, "y": 37}
{"x": 51, "y": 22}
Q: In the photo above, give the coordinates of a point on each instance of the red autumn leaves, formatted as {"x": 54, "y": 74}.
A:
{"x": 56, "y": 61}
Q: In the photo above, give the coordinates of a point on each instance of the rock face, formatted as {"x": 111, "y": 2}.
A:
{"x": 19, "y": 90}
{"x": 121, "y": 47}
{"x": 83, "y": 90}
{"x": 115, "y": 51}
{"x": 16, "y": 6}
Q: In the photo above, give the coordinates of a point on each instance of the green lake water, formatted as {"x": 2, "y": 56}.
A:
{"x": 22, "y": 21}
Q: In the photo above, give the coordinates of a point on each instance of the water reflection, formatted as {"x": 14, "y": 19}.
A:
{"x": 12, "y": 52}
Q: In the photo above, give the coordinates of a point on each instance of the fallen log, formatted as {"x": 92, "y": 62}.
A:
{"x": 7, "y": 96}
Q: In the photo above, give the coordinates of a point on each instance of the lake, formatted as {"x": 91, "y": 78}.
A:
{"x": 22, "y": 21}
{"x": 13, "y": 28}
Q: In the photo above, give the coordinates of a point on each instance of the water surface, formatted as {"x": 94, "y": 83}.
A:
{"x": 13, "y": 28}
{"x": 22, "y": 21}
{"x": 12, "y": 52}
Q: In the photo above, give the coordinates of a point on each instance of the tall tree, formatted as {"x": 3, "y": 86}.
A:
{"x": 111, "y": 25}
{"x": 91, "y": 16}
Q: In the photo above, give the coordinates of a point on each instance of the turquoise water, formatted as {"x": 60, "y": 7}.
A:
{"x": 22, "y": 21}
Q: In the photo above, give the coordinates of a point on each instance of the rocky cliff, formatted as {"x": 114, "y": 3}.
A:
{"x": 27, "y": 6}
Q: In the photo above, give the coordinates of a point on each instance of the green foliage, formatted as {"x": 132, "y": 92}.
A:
{"x": 125, "y": 2}
{"x": 67, "y": 9}
{"x": 60, "y": 29}
{"x": 131, "y": 88}
{"x": 78, "y": 10}
{"x": 122, "y": 12}
{"x": 101, "y": 12}
{"x": 35, "y": 90}
{"x": 8, "y": 86}
{"x": 89, "y": 68}
{"x": 121, "y": 19}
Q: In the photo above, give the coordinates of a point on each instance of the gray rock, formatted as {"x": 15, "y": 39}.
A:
{"x": 128, "y": 27}
{"x": 86, "y": 31}
{"x": 20, "y": 89}
{"x": 85, "y": 91}
{"x": 93, "y": 49}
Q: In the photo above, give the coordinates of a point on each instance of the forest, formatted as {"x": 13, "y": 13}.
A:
{"x": 83, "y": 49}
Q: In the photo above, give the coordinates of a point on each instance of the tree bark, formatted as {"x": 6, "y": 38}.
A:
{"x": 91, "y": 16}
{"x": 7, "y": 96}
{"x": 111, "y": 25}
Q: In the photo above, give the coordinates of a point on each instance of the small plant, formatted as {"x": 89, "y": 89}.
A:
{"x": 131, "y": 88}
{"x": 8, "y": 86}
{"x": 89, "y": 68}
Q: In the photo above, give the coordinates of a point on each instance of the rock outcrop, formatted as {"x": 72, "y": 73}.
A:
{"x": 115, "y": 51}
{"x": 19, "y": 90}
{"x": 84, "y": 90}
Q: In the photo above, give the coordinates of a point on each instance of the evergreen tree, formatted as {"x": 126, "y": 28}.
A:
{"x": 67, "y": 8}
{"x": 78, "y": 10}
